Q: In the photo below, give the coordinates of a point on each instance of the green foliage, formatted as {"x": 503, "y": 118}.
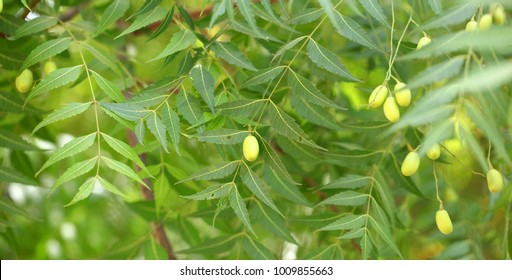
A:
{"x": 86, "y": 161}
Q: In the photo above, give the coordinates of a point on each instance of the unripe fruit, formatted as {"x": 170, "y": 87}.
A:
{"x": 49, "y": 67}
{"x": 494, "y": 180}
{"x": 499, "y": 15}
{"x": 391, "y": 110}
{"x": 410, "y": 164}
{"x": 378, "y": 96}
{"x": 485, "y": 22}
{"x": 1, "y": 5}
{"x": 24, "y": 81}
{"x": 472, "y": 25}
{"x": 434, "y": 152}
{"x": 251, "y": 148}
{"x": 443, "y": 221}
{"x": 198, "y": 44}
{"x": 402, "y": 94}
{"x": 423, "y": 42}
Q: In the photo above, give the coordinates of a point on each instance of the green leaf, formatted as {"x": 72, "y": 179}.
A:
{"x": 455, "y": 15}
{"x": 84, "y": 191}
{"x": 313, "y": 113}
{"x": 162, "y": 191}
{"x": 6, "y": 206}
{"x": 171, "y": 121}
{"x": 438, "y": 132}
{"x": 147, "y": 99}
{"x": 186, "y": 17}
{"x": 11, "y": 102}
{"x": 272, "y": 222}
{"x": 127, "y": 111}
{"x": 306, "y": 16}
{"x": 10, "y": 59}
{"x": 69, "y": 110}
{"x": 35, "y": 25}
{"x": 238, "y": 205}
{"x": 153, "y": 250}
{"x": 112, "y": 13}
{"x": 213, "y": 246}
{"x": 275, "y": 162}
{"x": 105, "y": 58}
{"x": 436, "y": 6}
{"x": 46, "y": 50}
{"x": 188, "y": 107}
{"x": 246, "y": 10}
{"x": 219, "y": 9}
{"x": 271, "y": 16}
{"x": 145, "y": 19}
{"x": 230, "y": 53}
{"x": 437, "y": 72}
{"x": 385, "y": 234}
{"x": 285, "y": 187}
{"x": 375, "y": 10}
{"x": 347, "y": 198}
{"x": 78, "y": 169}
{"x": 349, "y": 181}
{"x": 110, "y": 187}
{"x": 146, "y": 7}
{"x": 164, "y": 25}
{"x": 258, "y": 188}
{"x": 108, "y": 87}
{"x": 224, "y": 136}
{"x": 179, "y": 41}
{"x": 263, "y": 76}
{"x": 242, "y": 107}
{"x": 366, "y": 244}
{"x": 327, "y": 60}
{"x": 14, "y": 142}
{"x": 9, "y": 175}
{"x": 256, "y": 250}
{"x": 203, "y": 83}
{"x": 217, "y": 171}
{"x": 212, "y": 192}
{"x": 157, "y": 128}
{"x": 288, "y": 46}
{"x": 354, "y": 233}
{"x": 349, "y": 221}
{"x": 55, "y": 79}
{"x": 140, "y": 131}
{"x": 71, "y": 148}
{"x": 307, "y": 90}
{"x": 124, "y": 149}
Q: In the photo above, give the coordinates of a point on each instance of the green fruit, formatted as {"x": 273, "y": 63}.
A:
{"x": 49, "y": 67}
{"x": 378, "y": 96}
{"x": 251, "y": 148}
{"x": 423, "y": 42}
{"x": 391, "y": 110}
{"x": 434, "y": 152}
{"x": 499, "y": 15}
{"x": 494, "y": 180}
{"x": 24, "y": 81}
{"x": 402, "y": 94}
{"x": 485, "y": 22}
{"x": 410, "y": 164}
{"x": 1, "y": 5}
{"x": 472, "y": 25}
{"x": 443, "y": 221}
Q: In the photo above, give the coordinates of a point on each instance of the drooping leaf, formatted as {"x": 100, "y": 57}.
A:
{"x": 384, "y": 234}
{"x": 212, "y": 192}
{"x": 268, "y": 219}
{"x": 146, "y": 7}
{"x": 263, "y": 76}
{"x": 153, "y": 250}
{"x": 35, "y": 25}
{"x": 179, "y": 41}
{"x": 124, "y": 150}
{"x": 246, "y": 10}
{"x": 286, "y": 188}
{"x": 350, "y": 181}
{"x": 55, "y": 79}
{"x": 436, "y": 6}
{"x": 216, "y": 171}
{"x": 112, "y": 13}
{"x": 375, "y": 10}
{"x": 230, "y": 53}
{"x": 164, "y": 25}
{"x": 46, "y": 50}
{"x": 108, "y": 87}
{"x": 238, "y": 205}
{"x": 171, "y": 121}
{"x": 186, "y": 17}
{"x": 84, "y": 191}
{"x": 162, "y": 190}
{"x": 69, "y": 110}
{"x": 327, "y": 60}
{"x": 110, "y": 187}
{"x": 288, "y": 46}
{"x": 437, "y": 72}
{"x": 78, "y": 169}
{"x": 306, "y": 16}
{"x": 256, "y": 250}
{"x": 455, "y": 15}
{"x": 189, "y": 108}
{"x": 203, "y": 83}
{"x": 275, "y": 162}
{"x": 213, "y": 246}
{"x": 313, "y": 113}
{"x": 346, "y": 198}
{"x": 157, "y": 128}
{"x": 11, "y": 102}
{"x": 219, "y": 9}
{"x": 257, "y": 187}
{"x": 307, "y": 90}
{"x": 366, "y": 244}
{"x": 224, "y": 136}
{"x": 145, "y": 19}
{"x": 104, "y": 57}
{"x": 9, "y": 175}
{"x": 12, "y": 141}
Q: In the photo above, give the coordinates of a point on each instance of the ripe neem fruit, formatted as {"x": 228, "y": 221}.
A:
{"x": 499, "y": 15}
{"x": 49, "y": 67}
{"x": 472, "y": 25}
{"x": 24, "y": 81}
{"x": 251, "y": 148}
{"x": 410, "y": 164}
{"x": 494, "y": 180}
{"x": 443, "y": 221}
{"x": 434, "y": 152}
{"x": 1, "y": 5}
{"x": 485, "y": 22}
{"x": 402, "y": 94}
{"x": 423, "y": 42}
{"x": 378, "y": 96}
{"x": 391, "y": 110}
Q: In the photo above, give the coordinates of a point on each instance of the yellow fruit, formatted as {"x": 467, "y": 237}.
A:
{"x": 1, "y": 5}
{"x": 24, "y": 81}
{"x": 410, "y": 164}
{"x": 443, "y": 221}
{"x": 485, "y": 22}
{"x": 494, "y": 180}
{"x": 391, "y": 110}
{"x": 402, "y": 94}
{"x": 434, "y": 152}
{"x": 198, "y": 44}
{"x": 49, "y": 67}
{"x": 499, "y": 15}
{"x": 251, "y": 148}
{"x": 423, "y": 42}
{"x": 378, "y": 96}
{"x": 472, "y": 25}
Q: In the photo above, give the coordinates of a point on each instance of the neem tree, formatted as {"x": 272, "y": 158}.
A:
{"x": 254, "y": 129}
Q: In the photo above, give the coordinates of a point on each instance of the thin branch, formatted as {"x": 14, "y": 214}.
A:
{"x": 25, "y": 11}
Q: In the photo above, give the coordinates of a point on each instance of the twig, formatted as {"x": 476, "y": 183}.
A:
{"x": 25, "y": 11}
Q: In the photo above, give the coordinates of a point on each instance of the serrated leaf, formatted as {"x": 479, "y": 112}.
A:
{"x": 385, "y": 234}
{"x": 55, "y": 79}
{"x": 246, "y": 10}
{"x": 84, "y": 191}
{"x": 186, "y": 17}
{"x": 285, "y": 187}
{"x": 46, "y": 50}
{"x": 327, "y": 60}
{"x": 347, "y": 198}
{"x": 203, "y": 83}
{"x": 258, "y": 188}
{"x": 213, "y": 246}
{"x": 35, "y": 25}
{"x": 366, "y": 245}
{"x": 224, "y": 136}
{"x": 238, "y": 205}
{"x": 217, "y": 171}
{"x": 271, "y": 16}
{"x": 350, "y": 181}
{"x": 188, "y": 107}
{"x": 375, "y": 10}
{"x": 288, "y": 46}
{"x": 256, "y": 250}
{"x": 10, "y": 59}
{"x": 140, "y": 131}
{"x": 145, "y": 19}
{"x": 275, "y": 162}
{"x": 157, "y": 128}
{"x": 164, "y": 25}
{"x": 307, "y": 90}
{"x": 71, "y": 148}
{"x": 105, "y": 58}
{"x": 242, "y": 107}
{"x": 230, "y": 53}
{"x": 219, "y": 9}
{"x": 124, "y": 149}
{"x": 14, "y": 142}
{"x": 147, "y": 99}
{"x": 268, "y": 219}
{"x": 349, "y": 221}
{"x": 9, "y": 175}
{"x": 455, "y": 15}
{"x": 263, "y": 76}
{"x": 69, "y": 110}
{"x": 306, "y": 16}
{"x": 436, "y": 6}
{"x": 146, "y": 7}
{"x": 108, "y": 87}
{"x": 110, "y": 187}
{"x": 171, "y": 121}
{"x": 78, "y": 169}
{"x": 313, "y": 113}
{"x": 438, "y": 72}
{"x": 353, "y": 233}
{"x": 112, "y": 13}
{"x": 179, "y": 41}
{"x": 127, "y": 111}
{"x": 212, "y": 192}
{"x": 11, "y": 102}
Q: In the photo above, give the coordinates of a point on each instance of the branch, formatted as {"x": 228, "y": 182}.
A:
{"x": 25, "y": 11}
